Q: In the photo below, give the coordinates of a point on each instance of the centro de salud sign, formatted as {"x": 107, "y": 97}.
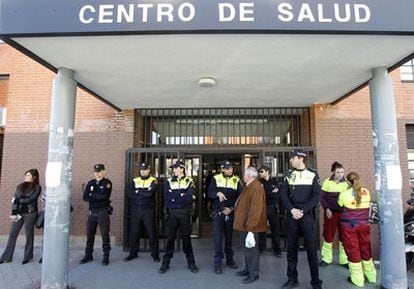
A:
{"x": 146, "y": 16}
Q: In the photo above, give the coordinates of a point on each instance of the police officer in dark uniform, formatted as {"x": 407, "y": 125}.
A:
{"x": 272, "y": 208}
{"x": 300, "y": 194}
{"x": 223, "y": 190}
{"x": 97, "y": 193}
{"x": 141, "y": 195}
{"x": 178, "y": 198}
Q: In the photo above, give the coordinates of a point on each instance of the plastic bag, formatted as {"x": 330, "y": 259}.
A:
{"x": 249, "y": 242}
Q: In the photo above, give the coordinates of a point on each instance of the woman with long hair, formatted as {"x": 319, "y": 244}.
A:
{"x": 331, "y": 189}
{"x": 356, "y": 231}
{"x": 24, "y": 205}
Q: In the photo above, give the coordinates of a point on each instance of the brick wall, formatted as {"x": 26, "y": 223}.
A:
{"x": 101, "y": 135}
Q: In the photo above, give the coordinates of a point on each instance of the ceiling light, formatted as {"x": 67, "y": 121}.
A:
{"x": 207, "y": 82}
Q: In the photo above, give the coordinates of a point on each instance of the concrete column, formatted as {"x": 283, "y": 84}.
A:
{"x": 59, "y": 182}
{"x": 388, "y": 181}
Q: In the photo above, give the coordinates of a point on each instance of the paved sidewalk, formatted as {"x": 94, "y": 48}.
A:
{"x": 143, "y": 273}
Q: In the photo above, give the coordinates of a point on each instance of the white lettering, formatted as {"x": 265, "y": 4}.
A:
{"x": 145, "y": 8}
{"x": 358, "y": 8}
{"x": 305, "y": 12}
{"x": 244, "y": 11}
{"x": 321, "y": 18}
{"x": 285, "y": 12}
{"x": 231, "y": 12}
{"x": 106, "y": 10}
{"x": 82, "y": 14}
{"x": 337, "y": 13}
{"x": 123, "y": 13}
{"x": 190, "y": 14}
{"x": 165, "y": 10}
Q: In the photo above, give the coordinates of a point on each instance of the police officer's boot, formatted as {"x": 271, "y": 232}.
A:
{"x": 369, "y": 271}
{"x": 105, "y": 260}
{"x": 86, "y": 259}
{"x": 230, "y": 262}
{"x": 218, "y": 269}
{"x": 326, "y": 254}
{"x": 343, "y": 258}
{"x": 164, "y": 268}
{"x": 357, "y": 275}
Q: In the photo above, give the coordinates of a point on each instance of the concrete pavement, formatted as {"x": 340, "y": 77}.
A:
{"x": 143, "y": 272}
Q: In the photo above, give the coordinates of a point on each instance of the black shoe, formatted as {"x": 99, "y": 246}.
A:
{"x": 261, "y": 251}
{"x": 217, "y": 269}
{"x": 290, "y": 284}
{"x": 232, "y": 264}
{"x": 86, "y": 259}
{"x": 41, "y": 260}
{"x": 250, "y": 279}
{"x": 278, "y": 254}
{"x": 156, "y": 259}
{"x": 130, "y": 257}
{"x": 193, "y": 268}
{"x": 105, "y": 261}
{"x": 164, "y": 268}
{"x": 242, "y": 273}
{"x": 323, "y": 264}
{"x": 25, "y": 261}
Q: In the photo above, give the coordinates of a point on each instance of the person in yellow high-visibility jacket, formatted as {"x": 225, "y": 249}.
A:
{"x": 331, "y": 189}
{"x": 356, "y": 231}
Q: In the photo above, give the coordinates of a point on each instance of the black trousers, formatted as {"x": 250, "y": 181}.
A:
{"x": 146, "y": 218}
{"x": 273, "y": 218}
{"x": 178, "y": 219}
{"x": 98, "y": 217}
{"x": 251, "y": 255}
{"x": 307, "y": 226}
{"x": 223, "y": 226}
{"x": 28, "y": 220}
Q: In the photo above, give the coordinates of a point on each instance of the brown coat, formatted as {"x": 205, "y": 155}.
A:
{"x": 250, "y": 209}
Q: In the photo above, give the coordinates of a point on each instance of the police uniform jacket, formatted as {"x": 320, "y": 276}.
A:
{"x": 97, "y": 193}
{"x": 142, "y": 193}
{"x": 330, "y": 192}
{"x": 272, "y": 192}
{"x": 230, "y": 186}
{"x": 178, "y": 192}
{"x": 300, "y": 189}
{"x": 250, "y": 209}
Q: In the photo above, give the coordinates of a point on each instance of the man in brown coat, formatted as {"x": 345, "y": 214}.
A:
{"x": 250, "y": 218}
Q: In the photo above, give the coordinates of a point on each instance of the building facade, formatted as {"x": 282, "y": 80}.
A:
{"x": 333, "y": 132}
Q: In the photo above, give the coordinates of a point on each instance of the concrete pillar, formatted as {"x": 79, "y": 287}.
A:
{"x": 59, "y": 182}
{"x": 388, "y": 181}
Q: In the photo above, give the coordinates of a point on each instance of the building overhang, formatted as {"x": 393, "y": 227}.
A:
{"x": 152, "y": 54}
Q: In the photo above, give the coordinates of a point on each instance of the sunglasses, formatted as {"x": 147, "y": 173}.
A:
{"x": 261, "y": 171}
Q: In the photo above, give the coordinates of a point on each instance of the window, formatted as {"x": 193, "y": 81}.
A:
{"x": 407, "y": 71}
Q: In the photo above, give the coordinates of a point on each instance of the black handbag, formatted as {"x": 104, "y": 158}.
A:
{"x": 40, "y": 219}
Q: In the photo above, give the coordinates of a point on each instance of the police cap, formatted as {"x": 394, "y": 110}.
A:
{"x": 178, "y": 164}
{"x": 144, "y": 166}
{"x": 226, "y": 164}
{"x": 298, "y": 152}
{"x": 98, "y": 167}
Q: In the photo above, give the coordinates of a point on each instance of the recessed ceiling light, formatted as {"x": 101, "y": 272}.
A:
{"x": 207, "y": 82}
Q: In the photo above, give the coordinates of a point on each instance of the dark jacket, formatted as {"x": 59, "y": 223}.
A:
{"x": 27, "y": 203}
{"x": 97, "y": 193}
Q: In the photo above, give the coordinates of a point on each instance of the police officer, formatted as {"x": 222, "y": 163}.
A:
{"x": 97, "y": 193}
{"x": 141, "y": 195}
{"x": 300, "y": 194}
{"x": 178, "y": 197}
{"x": 272, "y": 208}
{"x": 223, "y": 190}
